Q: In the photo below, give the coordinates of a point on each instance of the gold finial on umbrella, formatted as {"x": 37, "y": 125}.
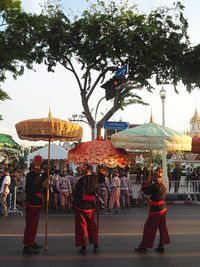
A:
{"x": 50, "y": 114}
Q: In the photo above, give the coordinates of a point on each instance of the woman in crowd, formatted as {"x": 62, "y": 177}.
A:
{"x": 125, "y": 189}
{"x": 115, "y": 193}
{"x": 104, "y": 186}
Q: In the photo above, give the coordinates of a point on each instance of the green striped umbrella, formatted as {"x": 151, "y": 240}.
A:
{"x": 151, "y": 136}
{"x": 6, "y": 141}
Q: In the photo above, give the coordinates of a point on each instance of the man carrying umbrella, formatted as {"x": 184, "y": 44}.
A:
{"x": 157, "y": 216}
{"x": 33, "y": 204}
{"x": 84, "y": 201}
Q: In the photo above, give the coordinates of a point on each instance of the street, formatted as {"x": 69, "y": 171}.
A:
{"x": 119, "y": 234}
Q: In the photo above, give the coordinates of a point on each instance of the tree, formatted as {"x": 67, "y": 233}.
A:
{"x": 9, "y": 9}
{"x": 6, "y": 8}
{"x": 15, "y": 40}
{"x": 102, "y": 39}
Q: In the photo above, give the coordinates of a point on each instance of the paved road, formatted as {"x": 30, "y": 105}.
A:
{"x": 119, "y": 234}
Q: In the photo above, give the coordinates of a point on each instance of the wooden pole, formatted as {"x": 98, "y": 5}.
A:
{"x": 150, "y": 166}
{"x": 97, "y": 209}
{"x": 47, "y": 195}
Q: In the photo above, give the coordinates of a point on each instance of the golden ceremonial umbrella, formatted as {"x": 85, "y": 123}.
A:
{"x": 48, "y": 129}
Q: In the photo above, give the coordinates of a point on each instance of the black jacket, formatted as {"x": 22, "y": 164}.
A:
{"x": 157, "y": 194}
{"x": 33, "y": 189}
{"x": 81, "y": 198}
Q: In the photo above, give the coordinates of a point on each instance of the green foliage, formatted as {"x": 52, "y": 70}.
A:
{"x": 108, "y": 36}
{"x": 190, "y": 69}
{"x": 3, "y": 95}
{"x": 104, "y": 38}
{"x": 6, "y": 5}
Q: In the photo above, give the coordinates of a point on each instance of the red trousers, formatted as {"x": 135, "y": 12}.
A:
{"x": 32, "y": 220}
{"x": 154, "y": 222}
{"x": 85, "y": 227}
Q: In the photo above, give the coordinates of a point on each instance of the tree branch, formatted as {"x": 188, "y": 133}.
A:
{"x": 101, "y": 76}
{"x": 72, "y": 69}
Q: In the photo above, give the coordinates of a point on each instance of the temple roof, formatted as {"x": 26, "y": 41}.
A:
{"x": 196, "y": 117}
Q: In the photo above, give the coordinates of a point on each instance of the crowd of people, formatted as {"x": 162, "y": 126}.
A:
{"x": 114, "y": 189}
{"x": 84, "y": 193}
{"x": 11, "y": 179}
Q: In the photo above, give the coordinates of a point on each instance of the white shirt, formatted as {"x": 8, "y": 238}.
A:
{"x": 115, "y": 183}
{"x": 6, "y": 181}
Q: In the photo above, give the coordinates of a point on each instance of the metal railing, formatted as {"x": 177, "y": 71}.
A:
{"x": 187, "y": 187}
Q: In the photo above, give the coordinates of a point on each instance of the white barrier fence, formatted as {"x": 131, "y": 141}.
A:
{"x": 190, "y": 188}
{"x": 187, "y": 187}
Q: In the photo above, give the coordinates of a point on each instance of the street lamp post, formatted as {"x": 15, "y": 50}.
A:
{"x": 81, "y": 118}
{"x": 163, "y": 95}
{"x": 95, "y": 117}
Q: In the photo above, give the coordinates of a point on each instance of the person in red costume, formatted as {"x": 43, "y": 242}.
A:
{"x": 33, "y": 205}
{"x": 157, "y": 215}
{"x": 84, "y": 202}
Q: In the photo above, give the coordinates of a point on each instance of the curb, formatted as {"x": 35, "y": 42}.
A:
{"x": 185, "y": 202}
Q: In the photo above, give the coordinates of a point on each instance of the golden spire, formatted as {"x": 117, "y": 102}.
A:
{"x": 50, "y": 114}
{"x": 196, "y": 117}
{"x": 151, "y": 117}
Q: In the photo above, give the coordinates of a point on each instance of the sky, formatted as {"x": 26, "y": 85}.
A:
{"x": 33, "y": 93}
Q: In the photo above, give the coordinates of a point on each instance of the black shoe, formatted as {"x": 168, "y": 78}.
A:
{"x": 140, "y": 249}
{"x": 96, "y": 249}
{"x": 108, "y": 212}
{"x": 116, "y": 211}
{"x": 4, "y": 215}
{"x": 160, "y": 249}
{"x": 36, "y": 246}
{"x": 29, "y": 250}
{"x": 82, "y": 250}
{"x": 69, "y": 210}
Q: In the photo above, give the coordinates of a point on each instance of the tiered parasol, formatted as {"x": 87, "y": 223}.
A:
{"x": 48, "y": 129}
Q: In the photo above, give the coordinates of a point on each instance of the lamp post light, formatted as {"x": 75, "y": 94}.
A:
{"x": 163, "y": 95}
{"x": 95, "y": 117}
{"x": 82, "y": 118}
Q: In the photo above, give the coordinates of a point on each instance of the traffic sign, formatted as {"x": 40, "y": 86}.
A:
{"x": 115, "y": 125}
{"x": 122, "y": 71}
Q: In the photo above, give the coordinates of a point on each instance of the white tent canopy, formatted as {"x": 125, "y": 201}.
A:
{"x": 56, "y": 153}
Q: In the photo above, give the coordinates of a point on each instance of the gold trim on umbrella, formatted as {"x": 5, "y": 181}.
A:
{"x": 44, "y": 129}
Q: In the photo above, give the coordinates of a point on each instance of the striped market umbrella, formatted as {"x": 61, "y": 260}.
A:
{"x": 152, "y": 136}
